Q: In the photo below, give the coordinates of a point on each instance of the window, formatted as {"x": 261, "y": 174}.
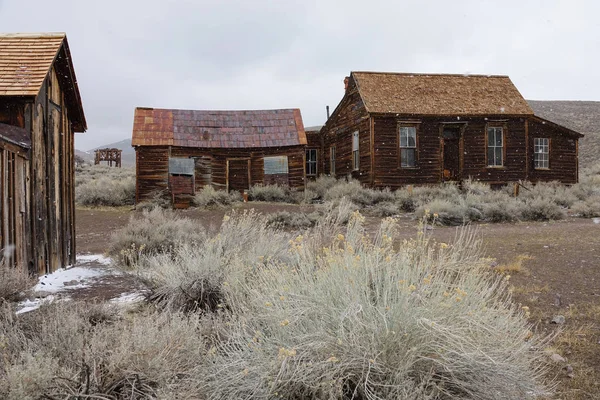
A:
{"x": 276, "y": 165}
{"x": 541, "y": 153}
{"x": 332, "y": 160}
{"x": 495, "y": 147}
{"x": 311, "y": 162}
{"x": 355, "y": 152}
{"x": 408, "y": 146}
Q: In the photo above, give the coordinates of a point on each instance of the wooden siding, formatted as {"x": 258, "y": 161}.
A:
{"x": 388, "y": 172}
{"x": 348, "y": 117}
{"x": 211, "y": 166}
{"x": 152, "y": 171}
{"x": 563, "y": 160}
{"x": 44, "y": 183}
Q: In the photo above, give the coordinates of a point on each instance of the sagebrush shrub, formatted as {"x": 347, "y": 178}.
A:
{"x": 361, "y": 319}
{"x": 13, "y": 282}
{"x": 58, "y": 352}
{"x": 274, "y": 193}
{"x": 209, "y": 197}
{"x": 155, "y": 231}
{"x": 99, "y": 185}
{"x": 542, "y": 209}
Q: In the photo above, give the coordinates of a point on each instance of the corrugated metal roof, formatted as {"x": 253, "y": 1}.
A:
{"x": 440, "y": 94}
{"x": 218, "y": 129}
{"x": 25, "y": 60}
{"x": 15, "y": 135}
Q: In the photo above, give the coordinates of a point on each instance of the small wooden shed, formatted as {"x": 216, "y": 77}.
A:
{"x": 40, "y": 109}
{"x": 393, "y": 129}
{"x": 181, "y": 151}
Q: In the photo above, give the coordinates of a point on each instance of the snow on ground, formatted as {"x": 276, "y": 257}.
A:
{"x": 129, "y": 298}
{"x": 97, "y": 258}
{"x": 69, "y": 278}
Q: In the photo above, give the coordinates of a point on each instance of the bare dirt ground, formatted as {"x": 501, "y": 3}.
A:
{"x": 559, "y": 275}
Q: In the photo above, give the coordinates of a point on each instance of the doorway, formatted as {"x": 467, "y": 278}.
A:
{"x": 238, "y": 174}
{"x": 451, "y": 146}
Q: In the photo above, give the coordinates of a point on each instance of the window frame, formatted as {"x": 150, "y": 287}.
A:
{"x": 332, "y": 160}
{"x": 414, "y": 148}
{"x": 311, "y": 162}
{"x": 281, "y": 157}
{"x": 502, "y": 147}
{"x": 547, "y": 153}
{"x": 356, "y": 151}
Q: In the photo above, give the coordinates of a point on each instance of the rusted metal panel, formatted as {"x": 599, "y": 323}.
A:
{"x": 218, "y": 129}
{"x": 181, "y": 166}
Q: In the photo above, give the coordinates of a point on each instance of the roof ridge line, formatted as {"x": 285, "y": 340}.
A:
{"x": 430, "y": 74}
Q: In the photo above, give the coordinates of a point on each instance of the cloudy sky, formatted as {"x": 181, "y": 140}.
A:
{"x": 259, "y": 54}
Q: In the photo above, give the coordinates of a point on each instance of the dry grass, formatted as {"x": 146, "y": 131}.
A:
{"x": 515, "y": 266}
{"x": 100, "y": 185}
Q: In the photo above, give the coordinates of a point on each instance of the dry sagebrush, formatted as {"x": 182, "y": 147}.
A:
{"x": 63, "y": 351}
{"x": 360, "y": 319}
{"x": 153, "y": 232}
{"x": 104, "y": 186}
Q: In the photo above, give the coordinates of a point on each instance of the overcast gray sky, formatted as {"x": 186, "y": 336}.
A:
{"x": 279, "y": 54}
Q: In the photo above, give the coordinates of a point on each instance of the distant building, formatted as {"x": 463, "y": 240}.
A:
{"x": 393, "y": 129}
{"x": 40, "y": 109}
{"x": 181, "y": 151}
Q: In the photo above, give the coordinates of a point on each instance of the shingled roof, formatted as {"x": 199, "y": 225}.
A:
{"x": 218, "y": 129}
{"x": 439, "y": 94}
{"x": 25, "y": 61}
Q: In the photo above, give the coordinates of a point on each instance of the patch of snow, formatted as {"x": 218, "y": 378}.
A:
{"x": 596, "y": 220}
{"x": 129, "y": 298}
{"x": 72, "y": 278}
{"x": 30, "y": 305}
{"x": 99, "y": 258}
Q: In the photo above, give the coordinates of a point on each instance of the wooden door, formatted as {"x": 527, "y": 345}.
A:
{"x": 238, "y": 174}
{"x": 451, "y": 140}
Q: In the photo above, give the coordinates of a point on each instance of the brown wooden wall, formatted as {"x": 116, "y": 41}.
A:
{"x": 14, "y": 224}
{"x": 563, "y": 163}
{"x": 349, "y": 116}
{"x": 46, "y": 180}
{"x": 152, "y": 166}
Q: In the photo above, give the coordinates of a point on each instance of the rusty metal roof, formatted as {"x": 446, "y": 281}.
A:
{"x": 15, "y": 135}
{"x": 439, "y": 94}
{"x": 218, "y": 129}
{"x": 25, "y": 60}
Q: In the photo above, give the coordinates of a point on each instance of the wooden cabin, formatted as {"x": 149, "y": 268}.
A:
{"x": 394, "y": 129}
{"x": 181, "y": 151}
{"x": 40, "y": 109}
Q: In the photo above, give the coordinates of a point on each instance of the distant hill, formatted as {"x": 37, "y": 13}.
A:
{"x": 581, "y": 116}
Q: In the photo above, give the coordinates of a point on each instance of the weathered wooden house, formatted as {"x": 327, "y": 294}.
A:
{"x": 40, "y": 109}
{"x": 393, "y": 129}
{"x": 181, "y": 151}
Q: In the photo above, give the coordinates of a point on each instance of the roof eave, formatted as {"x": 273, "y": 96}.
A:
{"x": 566, "y": 130}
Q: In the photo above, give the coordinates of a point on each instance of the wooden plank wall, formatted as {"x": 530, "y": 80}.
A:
{"x": 152, "y": 166}
{"x": 387, "y": 148}
{"x": 52, "y": 179}
{"x": 475, "y": 150}
{"x": 563, "y": 154}
{"x": 428, "y": 170}
{"x": 349, "y": 116}
{"x": 152, "y": 171}
{"x": 44, "y": 183}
